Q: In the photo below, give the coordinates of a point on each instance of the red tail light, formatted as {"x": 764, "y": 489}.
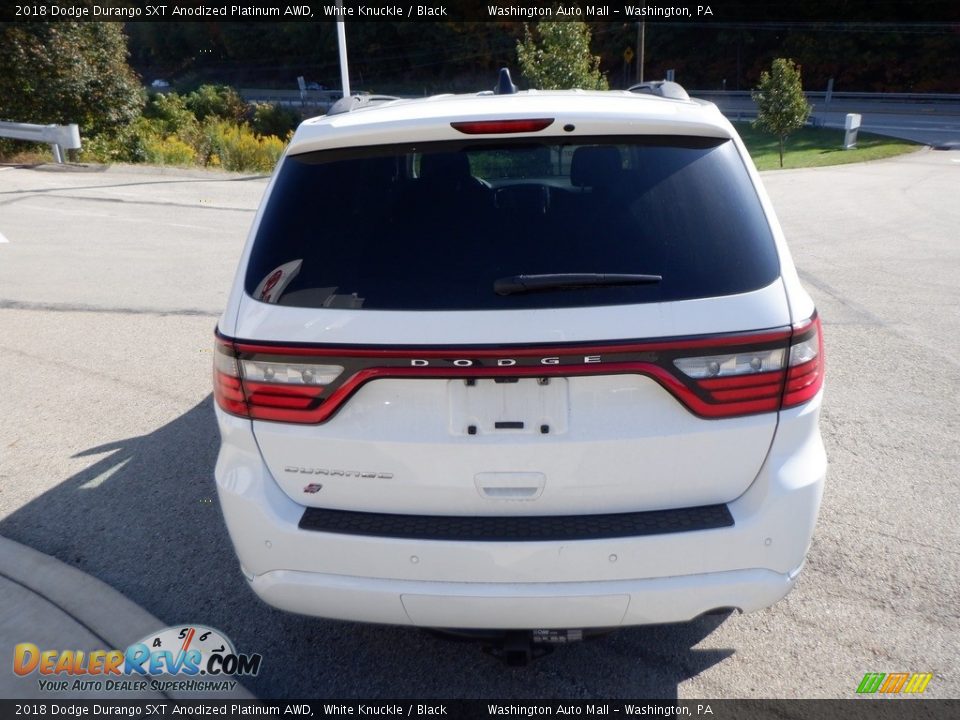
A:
{"x": 805, "y": 365}
{"x": 269, "y": 385}
{"x": 714, "y": 377}
{"x": 759, "y": 379}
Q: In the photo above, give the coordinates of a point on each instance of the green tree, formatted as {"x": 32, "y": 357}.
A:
{"x": 781, "y": 104}
{"x": 560, "y": 58}
{"x": 67, "y": 72}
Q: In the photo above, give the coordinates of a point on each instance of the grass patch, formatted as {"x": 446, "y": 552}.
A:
{"x": 814, "y": 147}
{"x": 27, "y": 157}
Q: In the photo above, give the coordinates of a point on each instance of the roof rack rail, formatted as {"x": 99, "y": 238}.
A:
{"x": 661, "y": 88}
{"x": 352, "y": 102}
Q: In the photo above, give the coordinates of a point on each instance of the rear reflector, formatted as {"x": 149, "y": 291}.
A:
{"x": 713, "y": 377}
{"x": 502, "y": 127}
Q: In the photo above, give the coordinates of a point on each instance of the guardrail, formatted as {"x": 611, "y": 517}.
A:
{"x": 845, "y": 95}
{"x": 932, "y": 103}
{"x": 322, "y": 99}
{"x": 58, "y": 137}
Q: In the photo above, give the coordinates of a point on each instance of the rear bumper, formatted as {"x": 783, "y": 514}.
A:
{"x": 520, "y": 605}
{"x": 583, "y": 583}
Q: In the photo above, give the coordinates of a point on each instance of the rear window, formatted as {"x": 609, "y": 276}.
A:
{"x": 434, "y": 226}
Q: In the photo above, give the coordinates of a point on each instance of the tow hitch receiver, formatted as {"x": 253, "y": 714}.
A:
{"x": 517, "y": 648}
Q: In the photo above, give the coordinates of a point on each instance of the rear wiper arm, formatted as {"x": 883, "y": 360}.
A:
{"x": 568, "y": 281}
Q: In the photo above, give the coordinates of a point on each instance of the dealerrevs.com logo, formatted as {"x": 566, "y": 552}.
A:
{"x": 187, "y": 658}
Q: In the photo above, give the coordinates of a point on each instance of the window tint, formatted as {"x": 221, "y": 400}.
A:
{"x": 432, "y": 227}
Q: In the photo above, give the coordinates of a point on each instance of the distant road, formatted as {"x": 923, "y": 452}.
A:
{"x": 318, "y": 101}
{"x": 928, "y": 119}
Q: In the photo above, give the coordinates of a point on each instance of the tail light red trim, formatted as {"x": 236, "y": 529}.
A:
{"x": 741, "y": 383}
{"x": 804, "y": 379}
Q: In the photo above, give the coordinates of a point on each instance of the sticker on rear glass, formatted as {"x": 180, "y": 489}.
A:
{"x": 272, "y": 286}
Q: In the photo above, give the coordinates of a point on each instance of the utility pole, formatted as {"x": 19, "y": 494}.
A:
{"x": 342, "y": 45}
{"x": 641, "y": 40}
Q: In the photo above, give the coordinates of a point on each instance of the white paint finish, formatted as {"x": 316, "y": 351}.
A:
{"x": 781, "y": 504}
{"x": 758, "y": 310}
{"x": 629, "y": 446}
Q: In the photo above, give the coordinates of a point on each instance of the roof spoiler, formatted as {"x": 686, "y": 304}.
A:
{"x": 661, "y": 88}
{"x": 352, "y": 102}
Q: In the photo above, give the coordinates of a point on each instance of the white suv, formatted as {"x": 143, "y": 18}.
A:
{"x": 528, "y": 361}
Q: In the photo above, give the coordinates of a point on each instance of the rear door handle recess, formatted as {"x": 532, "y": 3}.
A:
{"x": 510, "y": 485}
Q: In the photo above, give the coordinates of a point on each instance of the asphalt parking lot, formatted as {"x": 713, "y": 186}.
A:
{"x": 110, "y": 286}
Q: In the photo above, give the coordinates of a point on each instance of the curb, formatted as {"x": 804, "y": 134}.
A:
{"x": 101, "y": 610}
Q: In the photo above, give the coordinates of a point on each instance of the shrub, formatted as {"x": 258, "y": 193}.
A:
{"x": 103, "y": 149}
{"x": 220, "y": 101}
{"x": 237, "y": 147}
{"x": 272, "y": 119}
{"x": 170, "y": 113}
{"x": 169, "y": 150}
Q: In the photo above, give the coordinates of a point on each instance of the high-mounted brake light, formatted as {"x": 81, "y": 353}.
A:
{"x": 501, "y": 127}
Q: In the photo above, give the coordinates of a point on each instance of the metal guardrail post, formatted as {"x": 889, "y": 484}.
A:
{"x": 58, "y": 137}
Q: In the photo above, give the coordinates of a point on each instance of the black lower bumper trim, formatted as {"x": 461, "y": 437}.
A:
{"x": 515, "y": 528}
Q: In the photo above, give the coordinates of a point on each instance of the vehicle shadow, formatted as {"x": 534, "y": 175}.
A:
{"x": 144, "y": 518}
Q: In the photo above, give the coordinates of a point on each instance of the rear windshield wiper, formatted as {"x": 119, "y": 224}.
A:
{"x": 568, "y": 281}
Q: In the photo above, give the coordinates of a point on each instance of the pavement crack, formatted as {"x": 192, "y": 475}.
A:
{"x": 123, "y": 201}
{"x": 823, "y": 286}
{"x": 245, "y": 178}
{"x": 91, "y": 373}
{"x": 77, "y": 307}
{"x": 891, "y": 536}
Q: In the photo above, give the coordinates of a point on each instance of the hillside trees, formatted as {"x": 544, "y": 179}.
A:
{"x": 68, "y": 73}
{"x": 559, "y": 58}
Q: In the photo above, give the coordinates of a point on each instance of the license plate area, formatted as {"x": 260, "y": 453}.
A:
{"x": 518, "y": 406}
